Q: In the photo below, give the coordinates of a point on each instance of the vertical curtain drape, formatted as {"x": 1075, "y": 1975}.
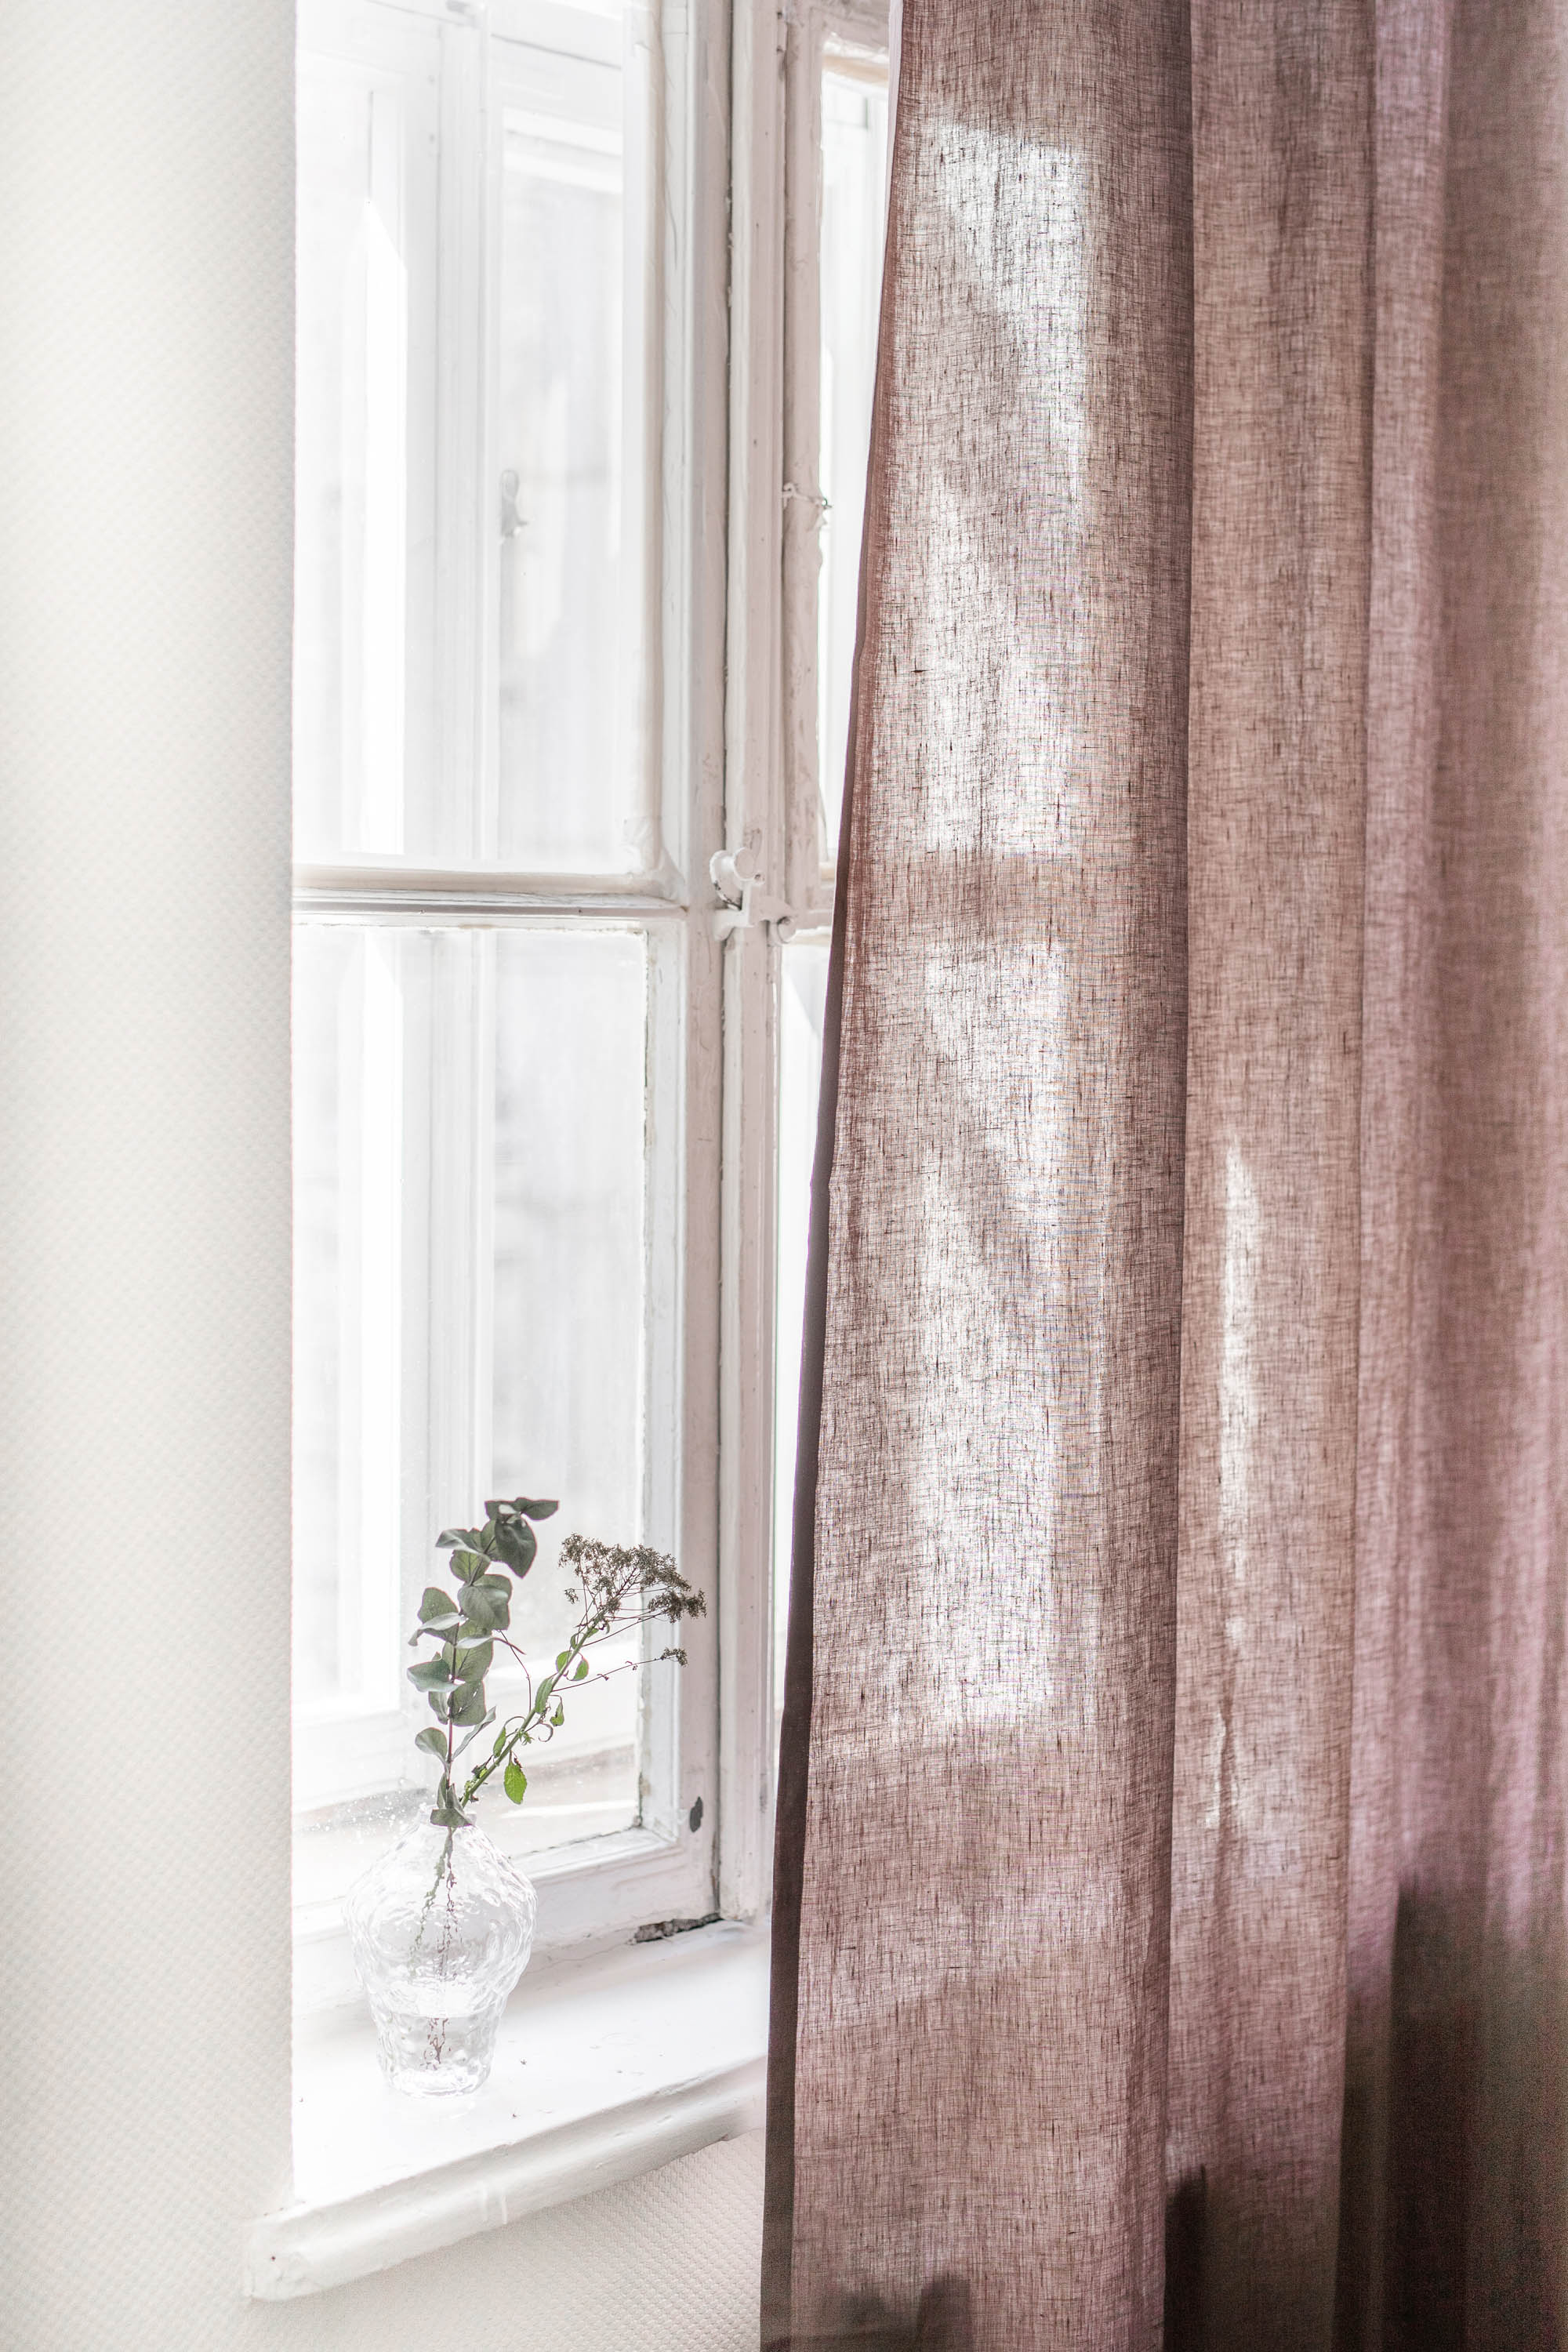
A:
{"x": 1169, "y": 1930}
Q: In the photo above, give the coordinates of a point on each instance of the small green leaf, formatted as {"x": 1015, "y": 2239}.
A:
{"x": 582, "y": 1669}
{"x": 501, "y": 1741}
{"x": 468, "y": 1704}
{"x": 544, "y": 1691}
{"x": 431, "y": 1740}
{"x": 474, "y": 1664}
{"x": 561, "y": 1658}
{"x": 436, "y": 1606}
{"x": 515, "y": 1780}
{"x": 498, "y": 1587}
{"x": 560, "y": 1715}
{"x": 430, "y": 1674}
{"x": 536, "y": 1510}
{"x": 482, "y": 1614}
{"x": 479, "y": 1628}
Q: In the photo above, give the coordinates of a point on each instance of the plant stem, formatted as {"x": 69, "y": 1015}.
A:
{"x": 584, "y": 1638}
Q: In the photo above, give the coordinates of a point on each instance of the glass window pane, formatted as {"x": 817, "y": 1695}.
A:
{"x": 470, "y": 1319}
{"x": 567, "y": 1301}
{"x": 571, "y": 423}
{"x": 854, "y": 198}
{"x": 365, "y": 564}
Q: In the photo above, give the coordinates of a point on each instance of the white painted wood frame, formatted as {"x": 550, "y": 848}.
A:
{"x": 598, "y": 1892}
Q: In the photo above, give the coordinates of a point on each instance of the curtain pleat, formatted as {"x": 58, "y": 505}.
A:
{"x": 1169, "y": 1932}
{"x": 1282, "y": 105}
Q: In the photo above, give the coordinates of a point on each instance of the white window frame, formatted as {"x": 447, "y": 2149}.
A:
{"x": 739, "y": 869}
{"x": 603, "y": 1889}
{"x": 670, "y": 2035}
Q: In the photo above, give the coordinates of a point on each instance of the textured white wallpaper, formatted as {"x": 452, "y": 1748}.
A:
{"x": 145, "y": 408}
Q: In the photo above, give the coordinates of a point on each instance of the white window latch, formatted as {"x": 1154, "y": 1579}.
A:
{"x": 746, "y": 905}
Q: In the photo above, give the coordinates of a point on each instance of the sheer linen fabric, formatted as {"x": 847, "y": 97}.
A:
{"x": 1169, "y": 1910}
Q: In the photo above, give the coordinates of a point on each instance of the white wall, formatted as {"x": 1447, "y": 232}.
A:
{"x": 146, "y": 400}
{"x": 667, "y": 2263}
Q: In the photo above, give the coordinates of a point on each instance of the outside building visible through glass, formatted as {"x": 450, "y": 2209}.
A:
{"x": 571, "y": 590}
{"x": 474, "y": 457}
{"x": 566, "y": 1292}
{"x": 364, "y": 577}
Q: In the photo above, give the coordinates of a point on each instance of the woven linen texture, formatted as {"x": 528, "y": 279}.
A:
{"x": 1169, "y": 1928}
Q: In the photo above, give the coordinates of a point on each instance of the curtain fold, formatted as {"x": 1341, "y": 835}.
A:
{"x": 1169, "y": 1925}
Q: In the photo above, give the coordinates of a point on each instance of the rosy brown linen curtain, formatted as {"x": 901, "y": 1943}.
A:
{"x": 1169, "y": 1929}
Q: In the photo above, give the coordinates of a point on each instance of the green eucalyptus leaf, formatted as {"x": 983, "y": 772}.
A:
{"x": 582, "y": 1669}
{"x": 430, "y": 1674}
{"x": 515, "y": 1781}
{"x": 469, "y": 1704}
{"x": 498, "y": 1587}
{"x": 474, "y": 1664}
{"x": 434, "y": 1741}
{"x": 542, "y": 1691}
{"x": 436, "y": 1606}
{"x": 516, "y": 1543}
{"x": 531, "y": 1510}
{"x": 481, "y": 1614}
{"x": 561, "y": 1658}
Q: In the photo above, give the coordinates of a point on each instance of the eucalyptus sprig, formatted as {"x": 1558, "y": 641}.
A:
{"x": 618, "y": 1587}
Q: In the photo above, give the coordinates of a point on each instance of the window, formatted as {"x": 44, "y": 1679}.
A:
{"x": 544, "y": 1008}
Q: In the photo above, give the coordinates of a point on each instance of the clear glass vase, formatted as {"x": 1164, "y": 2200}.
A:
{"x": 441, "y": 1929}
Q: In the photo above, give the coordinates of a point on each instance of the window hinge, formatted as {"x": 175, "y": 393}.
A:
{"x": 821, "y": 508}
{"x": 746, "y": 906}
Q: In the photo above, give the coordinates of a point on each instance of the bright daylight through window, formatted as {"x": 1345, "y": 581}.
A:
{"x": 509, "y": 985}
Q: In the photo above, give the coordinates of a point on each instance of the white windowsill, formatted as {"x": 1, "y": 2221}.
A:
{"x": 603, "y": 2068}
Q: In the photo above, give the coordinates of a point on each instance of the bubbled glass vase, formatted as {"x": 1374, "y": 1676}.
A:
{"x": 441, "y": 1929}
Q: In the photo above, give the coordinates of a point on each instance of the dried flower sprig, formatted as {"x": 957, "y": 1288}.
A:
{"x": 618, "y": 1587}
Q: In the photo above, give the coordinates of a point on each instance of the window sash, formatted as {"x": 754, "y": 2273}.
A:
{"x": 609, "y": 1882}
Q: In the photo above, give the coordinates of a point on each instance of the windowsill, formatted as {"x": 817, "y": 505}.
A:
{"x": 604, "y": 2069}
{"x": 592, "y": 1895}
